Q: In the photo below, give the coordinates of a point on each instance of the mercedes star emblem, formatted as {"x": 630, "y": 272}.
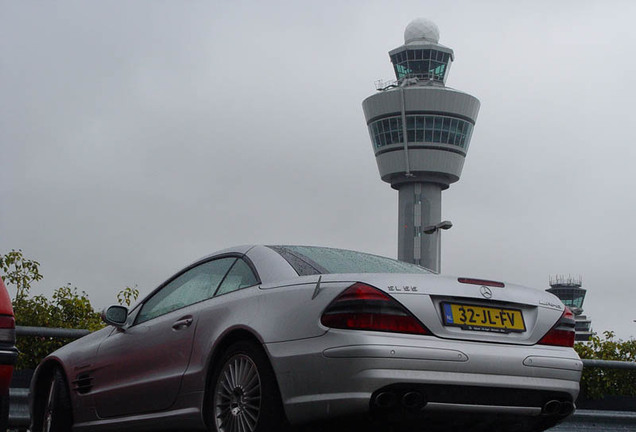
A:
{"x": 486, "y": 292}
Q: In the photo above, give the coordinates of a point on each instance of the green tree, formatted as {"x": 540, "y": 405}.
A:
{"x": 598, "y": 382}
{"x": 19, "y": 271}
{"x": 68, "y": 308}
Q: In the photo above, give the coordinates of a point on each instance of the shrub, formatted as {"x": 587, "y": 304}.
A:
{"x": 598, "y": 382}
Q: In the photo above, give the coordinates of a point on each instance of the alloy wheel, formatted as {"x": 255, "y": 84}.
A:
{"x": 50, "y": 406}
{"x": 237, "y": 396}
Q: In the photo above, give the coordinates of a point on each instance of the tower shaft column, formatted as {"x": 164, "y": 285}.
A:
{"x": 419, "y": 206}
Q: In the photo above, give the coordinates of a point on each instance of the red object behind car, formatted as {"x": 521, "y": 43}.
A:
{"x": 8, "y": 352}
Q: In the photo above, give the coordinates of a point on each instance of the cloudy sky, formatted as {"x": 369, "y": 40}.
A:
{"x": 138, "y": 136}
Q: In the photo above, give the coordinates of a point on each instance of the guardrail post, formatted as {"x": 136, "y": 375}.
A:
{"x": 19, "y": 416}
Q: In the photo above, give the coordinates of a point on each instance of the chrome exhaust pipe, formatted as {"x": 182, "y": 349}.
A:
{"x": 385, "y": 400}
{"x": 567, "y": 408}
{"x": 413, "y": 400}
{"x": 552, "y": 407}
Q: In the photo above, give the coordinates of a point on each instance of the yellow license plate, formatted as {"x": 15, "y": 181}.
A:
{"x": 480, "y": 318}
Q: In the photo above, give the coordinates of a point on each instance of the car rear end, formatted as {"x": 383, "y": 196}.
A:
{"x": 429, "y": 348}
{"x": 409, "y": 346}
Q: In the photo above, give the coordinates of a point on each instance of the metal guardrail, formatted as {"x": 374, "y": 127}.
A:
{"x": 581, "y": 420}
{"x": 19, "y": 416}
{"x": 598, "y": 421}
{"x": 609, "y": 364}
{"x": 50, "y": 332}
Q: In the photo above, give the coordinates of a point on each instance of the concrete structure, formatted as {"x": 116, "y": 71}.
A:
{"x": 425, "y": 160}
{"x": 571, "y": 293}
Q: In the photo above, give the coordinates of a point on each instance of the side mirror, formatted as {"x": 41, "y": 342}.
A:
{"x": 115, "y": 316}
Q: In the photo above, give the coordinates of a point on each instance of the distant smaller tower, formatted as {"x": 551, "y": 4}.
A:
{"x": 569, "y": 290}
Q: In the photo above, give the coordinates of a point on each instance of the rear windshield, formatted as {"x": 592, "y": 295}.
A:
{"x": 308, "y": 260}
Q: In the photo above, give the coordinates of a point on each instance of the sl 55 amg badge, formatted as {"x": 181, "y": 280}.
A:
{"x": 404, "y": 288}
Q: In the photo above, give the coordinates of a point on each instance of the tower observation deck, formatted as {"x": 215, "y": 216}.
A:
{"x": 423, "y": 161}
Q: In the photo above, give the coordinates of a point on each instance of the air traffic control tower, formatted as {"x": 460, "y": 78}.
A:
{"x": 571, "y": 292}
{"x": 425, "y": 160}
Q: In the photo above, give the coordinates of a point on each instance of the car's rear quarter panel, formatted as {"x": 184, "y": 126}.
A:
{"x": 271, "y": 315}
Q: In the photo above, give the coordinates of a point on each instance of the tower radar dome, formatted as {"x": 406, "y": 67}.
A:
{"x": 421, "y": 30}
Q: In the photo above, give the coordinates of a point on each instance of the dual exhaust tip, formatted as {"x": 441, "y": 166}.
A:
{"x": 414, "y": 400}
{"x": 410, "y": 400}
{"x": 557, "y": 407}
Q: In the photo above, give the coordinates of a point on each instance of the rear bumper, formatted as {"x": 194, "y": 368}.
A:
{"x": 340, "y": 373}
{"x": 8, "y": 356}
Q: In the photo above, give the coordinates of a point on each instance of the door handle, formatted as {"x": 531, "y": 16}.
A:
{"x": 182, "y": 323}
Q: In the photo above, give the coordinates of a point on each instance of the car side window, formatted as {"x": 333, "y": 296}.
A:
{"x": 193, "y": 286}
{"x": 240, "y": 276}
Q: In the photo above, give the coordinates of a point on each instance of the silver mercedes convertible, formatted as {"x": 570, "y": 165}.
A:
{"x": 260, "y": 338}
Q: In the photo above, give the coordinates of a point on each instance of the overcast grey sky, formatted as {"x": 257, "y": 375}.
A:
{"x": 138, "y": 136}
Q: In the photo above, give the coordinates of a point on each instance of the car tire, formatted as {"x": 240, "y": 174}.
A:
{"x": 243, "y": 393}
{"x": 55, "y": 411}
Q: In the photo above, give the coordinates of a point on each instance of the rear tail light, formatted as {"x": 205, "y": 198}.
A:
{"x": 562, "y": 334}
{"x": 7, "y": 329}
{"x": 363, "y": 307}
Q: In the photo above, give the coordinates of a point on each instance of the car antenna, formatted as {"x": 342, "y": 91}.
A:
{"x": 317, "y": 290}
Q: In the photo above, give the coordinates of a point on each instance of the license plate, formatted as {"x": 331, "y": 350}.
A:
{"x": 481, "y": 318}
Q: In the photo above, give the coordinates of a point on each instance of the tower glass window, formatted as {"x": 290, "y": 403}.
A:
{"x": 423, "y": 64}
{"x": 571, "y": 297}
{"x": 421, "y": 129}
